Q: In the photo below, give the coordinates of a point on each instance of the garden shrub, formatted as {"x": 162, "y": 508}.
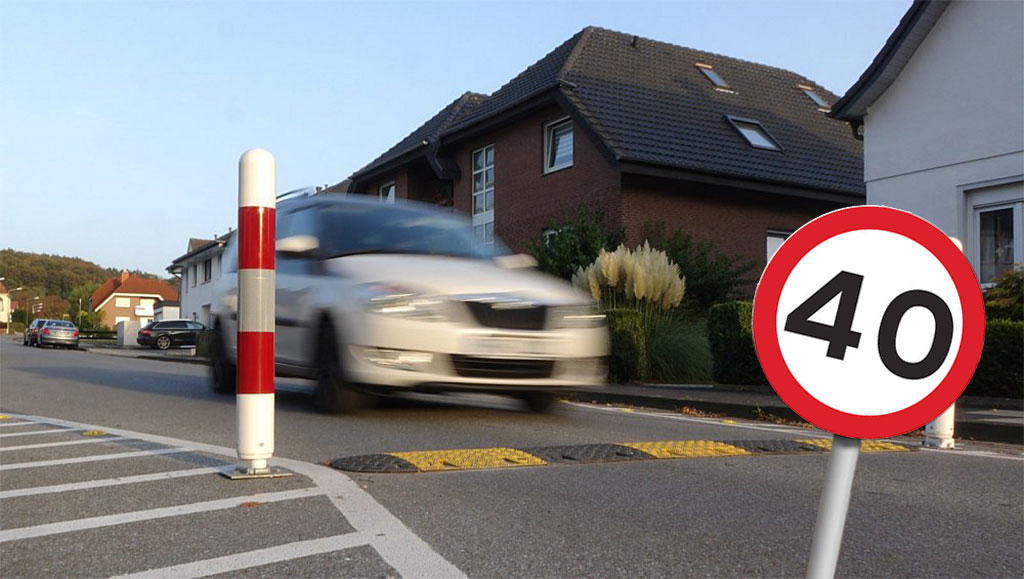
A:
{"x": 17, "y": 327}
{"x": 1005, "y": 300}
{"x": 1000, "y": 372}
{"x": 731, "y": 339}
{"x": 629, "y": 345}
{"x": 203, "y": 342}
{"x": 711, "y": 276}
{"x": 574, "y": 243}
{"x": 677, "y": 351}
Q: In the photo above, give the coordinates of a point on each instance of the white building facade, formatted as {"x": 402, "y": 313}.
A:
{"x": 198, "y": 270}
{"x": 942, "y": 108}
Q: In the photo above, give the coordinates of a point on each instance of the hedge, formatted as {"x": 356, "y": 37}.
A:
{"x": 731, "y": 337}
{"x": 629, "y": 345}
{"x": 1000, "y": 372}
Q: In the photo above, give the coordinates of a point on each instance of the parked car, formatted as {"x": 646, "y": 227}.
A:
{"x": 384, "y": 298}
{"x": 58, "y": 333}
{"x": 167, "y": 333}
{"x": 32, "y": 332}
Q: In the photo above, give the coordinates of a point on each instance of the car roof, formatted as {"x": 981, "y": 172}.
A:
{"x": 325, "y": 200}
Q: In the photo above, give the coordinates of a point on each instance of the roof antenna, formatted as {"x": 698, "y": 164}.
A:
{"x": 633, "y": 43}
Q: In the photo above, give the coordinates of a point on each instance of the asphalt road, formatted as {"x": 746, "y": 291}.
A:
{"x": 921, "y": 513}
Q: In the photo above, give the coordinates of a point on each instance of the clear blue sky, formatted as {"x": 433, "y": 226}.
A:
{"x": 121, "y": 123}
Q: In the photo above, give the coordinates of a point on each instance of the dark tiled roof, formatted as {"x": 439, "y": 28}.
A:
{"x": 195, "y": 243}
{"x": 428, "y": 131}
{"x": 651, "y": 104}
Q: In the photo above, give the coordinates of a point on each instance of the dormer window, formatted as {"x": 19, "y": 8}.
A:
{"x": 754, "y": 133}
{"x": 809, "y": 91}
{"x": 713, "y": 76}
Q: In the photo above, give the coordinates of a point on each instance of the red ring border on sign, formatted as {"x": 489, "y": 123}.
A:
{"x": 766, "y": 304}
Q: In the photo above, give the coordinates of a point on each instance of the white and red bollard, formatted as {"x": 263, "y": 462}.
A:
{"x": 254, "y": 413}
{"x": 939, "y": 432}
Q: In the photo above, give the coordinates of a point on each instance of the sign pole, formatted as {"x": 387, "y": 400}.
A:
{"x": 835, "y": 502}
{"x": 254, "y": 411}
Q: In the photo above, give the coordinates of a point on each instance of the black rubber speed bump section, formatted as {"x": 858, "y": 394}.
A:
{"x": 583, "y": 453}
{"x": 374, "y": 463}
{"x": 777, "y": 446}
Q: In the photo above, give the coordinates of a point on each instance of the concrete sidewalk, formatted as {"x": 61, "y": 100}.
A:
{"x": 977, "y": 418}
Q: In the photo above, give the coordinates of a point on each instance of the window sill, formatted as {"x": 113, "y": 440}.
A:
{"x": 549, "y": 170}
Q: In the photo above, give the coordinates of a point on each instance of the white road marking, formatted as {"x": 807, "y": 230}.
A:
{"x": 108, "y": 482}
{"x": 977, "y": 453}
{"x": 50, "y": 431}
{"x": 398, "y": 545}
{"x": 21, "y": 423}
{"x": 255, "y": 558}
{"x": 63, "y": 443}
{"x": 151, "y": 514}
{"x": 93, "y": 458}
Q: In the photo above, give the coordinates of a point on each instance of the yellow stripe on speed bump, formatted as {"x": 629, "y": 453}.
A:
{"x": 687, "y": 448}
{"x": 435, "y": 460}
{"x": 865, "y": 445}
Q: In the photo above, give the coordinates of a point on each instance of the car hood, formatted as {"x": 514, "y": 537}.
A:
{"x": 455, "y": 276}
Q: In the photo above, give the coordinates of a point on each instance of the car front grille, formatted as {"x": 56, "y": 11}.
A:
{"x": 519, "y": 318}
{"x": 474, "y": 367}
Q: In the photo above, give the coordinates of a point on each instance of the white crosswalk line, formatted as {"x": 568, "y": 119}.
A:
{"x": 94, "y": 458}
{"x": 107, "y": 482}
{"x": 62, "y": 443}
{"x": 49, "y": 431}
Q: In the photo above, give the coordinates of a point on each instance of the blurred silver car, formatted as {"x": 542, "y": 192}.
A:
{"x": 377, "y": 297}
{"x": 59, "y": 334}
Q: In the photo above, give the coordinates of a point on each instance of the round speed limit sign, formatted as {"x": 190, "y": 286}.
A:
{"x": 868, "y": 322}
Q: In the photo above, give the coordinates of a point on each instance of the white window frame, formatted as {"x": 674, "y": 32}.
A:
{"x": 118, "y": 301}
{"x": 193, "y": 276}
{"x": 389, "y": 196}
{"x": 815, "y": 97}
{"x": 549, "y": 139}
{"x": 485, "y": 217}
{"x": 779, "y": 235}
{"x": 986, "y": 197}
{"x": 207, "y": 272}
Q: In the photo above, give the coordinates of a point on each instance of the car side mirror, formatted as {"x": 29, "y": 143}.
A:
{"x": 516, "y": 261}
{"x": 298, "y": 245}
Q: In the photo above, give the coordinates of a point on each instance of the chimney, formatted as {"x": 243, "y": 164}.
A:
{"x": 124, "y": 275}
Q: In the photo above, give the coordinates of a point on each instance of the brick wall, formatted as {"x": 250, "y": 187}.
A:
{"x": 735, "y": 221}
{"x": 526, "y": 201}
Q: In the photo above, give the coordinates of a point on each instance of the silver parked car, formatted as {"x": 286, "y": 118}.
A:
{"x": 59, "y": 334}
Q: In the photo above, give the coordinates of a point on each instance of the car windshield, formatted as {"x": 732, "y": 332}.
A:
{"x": 357, "y": 229}
{"x": 60, "y": 324}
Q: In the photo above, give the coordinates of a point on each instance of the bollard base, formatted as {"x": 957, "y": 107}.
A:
{"x": 939, "y": 443}
{"x": 242, "y": 473}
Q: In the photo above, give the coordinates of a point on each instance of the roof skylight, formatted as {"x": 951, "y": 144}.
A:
{"x": 755, "y": 134}
{"x": 813, "y": 96}
{"x": 713, "y": 76}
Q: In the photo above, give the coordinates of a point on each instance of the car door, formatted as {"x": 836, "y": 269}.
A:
{"x": 293, "y": 284}
{"x": 191, "y": 336}
{"x": 176, "y": 331}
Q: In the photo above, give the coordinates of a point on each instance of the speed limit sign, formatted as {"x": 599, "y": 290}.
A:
{"x": 868, "y": 322}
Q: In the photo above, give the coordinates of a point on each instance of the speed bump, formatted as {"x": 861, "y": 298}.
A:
{"x": 505, "y": 457}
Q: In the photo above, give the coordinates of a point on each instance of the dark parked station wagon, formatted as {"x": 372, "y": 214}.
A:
{"x": 164, "y": 334}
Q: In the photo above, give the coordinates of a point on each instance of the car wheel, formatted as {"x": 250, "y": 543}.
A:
{"x": 223, "y": 374}
{"x": 163, "y": 342}
{"x": 334, "y": 395}
{"x": 539, "y": 402}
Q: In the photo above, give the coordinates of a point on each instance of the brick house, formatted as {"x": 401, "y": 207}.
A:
{"x": 129, "y": 298}
{"x": 734, "y": 152}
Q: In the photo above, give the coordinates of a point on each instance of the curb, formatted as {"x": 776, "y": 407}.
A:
{"x": 964, "y": 430}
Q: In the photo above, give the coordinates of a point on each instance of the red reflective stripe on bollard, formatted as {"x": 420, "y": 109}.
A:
{"x": 255, "y": 362}
{"x": 255, "y": 238}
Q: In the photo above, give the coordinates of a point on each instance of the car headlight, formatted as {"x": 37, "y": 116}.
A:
{"x": 392, "y": 300}
{"x": 581, "y": 316}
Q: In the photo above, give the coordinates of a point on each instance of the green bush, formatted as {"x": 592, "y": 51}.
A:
{"x": 17, "y": 327}
{"x": 712, "y": 277}
{"x": 629, "y": 345}
{"x": 574, "y": 243}
{"x": 731, "y": 339}
{"x": 677, "y": 351}
{"x": 203, "y": 341}
{"x": 1005, "y": 300}
{"x": 1000, "y": 372}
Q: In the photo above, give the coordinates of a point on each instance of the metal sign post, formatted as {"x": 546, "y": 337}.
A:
{"x": 254, "y": 413}
{"x": 835, "y": 502}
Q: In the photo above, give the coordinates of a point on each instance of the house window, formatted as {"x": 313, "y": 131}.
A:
{"x": 386, "y": 193}
{"x": 754, "y": 133}
{"x": 775, "y": 238}
{"x": 193, "y": 275}
{"x": 483, "y": 194}
{"x": 558, "y": 145}
{"x": 713, "y": 76}
{"x": 809, "y": 91}
{"x": 123, "y": 302}
{"x": 207, "y": 270}
{"x": 996, "y": 230}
